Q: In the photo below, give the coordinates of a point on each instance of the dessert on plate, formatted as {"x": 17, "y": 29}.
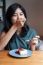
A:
{"x": 21, "y": 51}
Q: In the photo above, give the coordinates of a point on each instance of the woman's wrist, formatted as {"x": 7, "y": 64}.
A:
{"x": 33, "y": 47}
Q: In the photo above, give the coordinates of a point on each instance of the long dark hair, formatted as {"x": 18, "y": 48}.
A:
{"x": 10, "y": 11}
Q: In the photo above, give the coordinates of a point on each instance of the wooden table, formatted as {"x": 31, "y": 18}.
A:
{"x": 35, "y": 59}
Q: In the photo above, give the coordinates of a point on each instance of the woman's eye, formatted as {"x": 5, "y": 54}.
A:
{"x": 21, "y": 13}
{"x": 14, "y": 15}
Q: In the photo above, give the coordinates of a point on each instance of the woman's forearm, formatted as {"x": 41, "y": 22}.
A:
{"x": 4, "y": 40}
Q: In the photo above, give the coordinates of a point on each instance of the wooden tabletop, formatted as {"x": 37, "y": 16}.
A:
{"x": 35, "y": 59}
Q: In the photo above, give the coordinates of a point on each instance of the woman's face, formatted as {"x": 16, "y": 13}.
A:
{"x": 18, "y": 16}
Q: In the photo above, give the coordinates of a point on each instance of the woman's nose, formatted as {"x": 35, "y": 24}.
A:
{"x": 18, "y": 17}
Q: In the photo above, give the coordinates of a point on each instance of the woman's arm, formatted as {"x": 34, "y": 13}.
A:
{"x": 5, "y": 37}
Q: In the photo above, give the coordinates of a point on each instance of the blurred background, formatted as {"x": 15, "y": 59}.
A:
{"x": 34, "y": 9}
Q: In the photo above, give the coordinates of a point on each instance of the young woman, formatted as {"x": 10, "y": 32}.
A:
{"x": 16, "y": 31}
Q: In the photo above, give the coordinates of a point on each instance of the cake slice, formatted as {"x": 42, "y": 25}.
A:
{"x": 21, "y": 51}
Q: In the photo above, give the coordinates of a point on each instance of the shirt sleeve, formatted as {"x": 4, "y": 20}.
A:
{"x": 32, "y": 33}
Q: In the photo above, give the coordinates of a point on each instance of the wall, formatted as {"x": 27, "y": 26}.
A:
{"x": 1, "y": 4}
{"x": 34, "y": 9}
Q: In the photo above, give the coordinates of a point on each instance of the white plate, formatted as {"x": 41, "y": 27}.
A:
{"x": 12, "y": 53}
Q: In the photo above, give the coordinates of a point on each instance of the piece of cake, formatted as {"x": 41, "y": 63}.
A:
{"x": 21, "y": 51}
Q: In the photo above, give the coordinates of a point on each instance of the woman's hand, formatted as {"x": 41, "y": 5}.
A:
{"x": 32, "y": 45}
{"x": 34, "y": 42}
{"x": 18, "y": 24}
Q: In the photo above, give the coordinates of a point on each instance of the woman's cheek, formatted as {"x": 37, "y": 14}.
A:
{"x": 22, "y": 23}
{"x": 14, "y": 20}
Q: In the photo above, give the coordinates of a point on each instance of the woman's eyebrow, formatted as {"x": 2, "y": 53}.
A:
{"x": 19, "y": 12}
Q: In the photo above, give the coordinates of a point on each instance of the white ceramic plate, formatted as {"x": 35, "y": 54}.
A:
{"x": 12, "y": 53}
